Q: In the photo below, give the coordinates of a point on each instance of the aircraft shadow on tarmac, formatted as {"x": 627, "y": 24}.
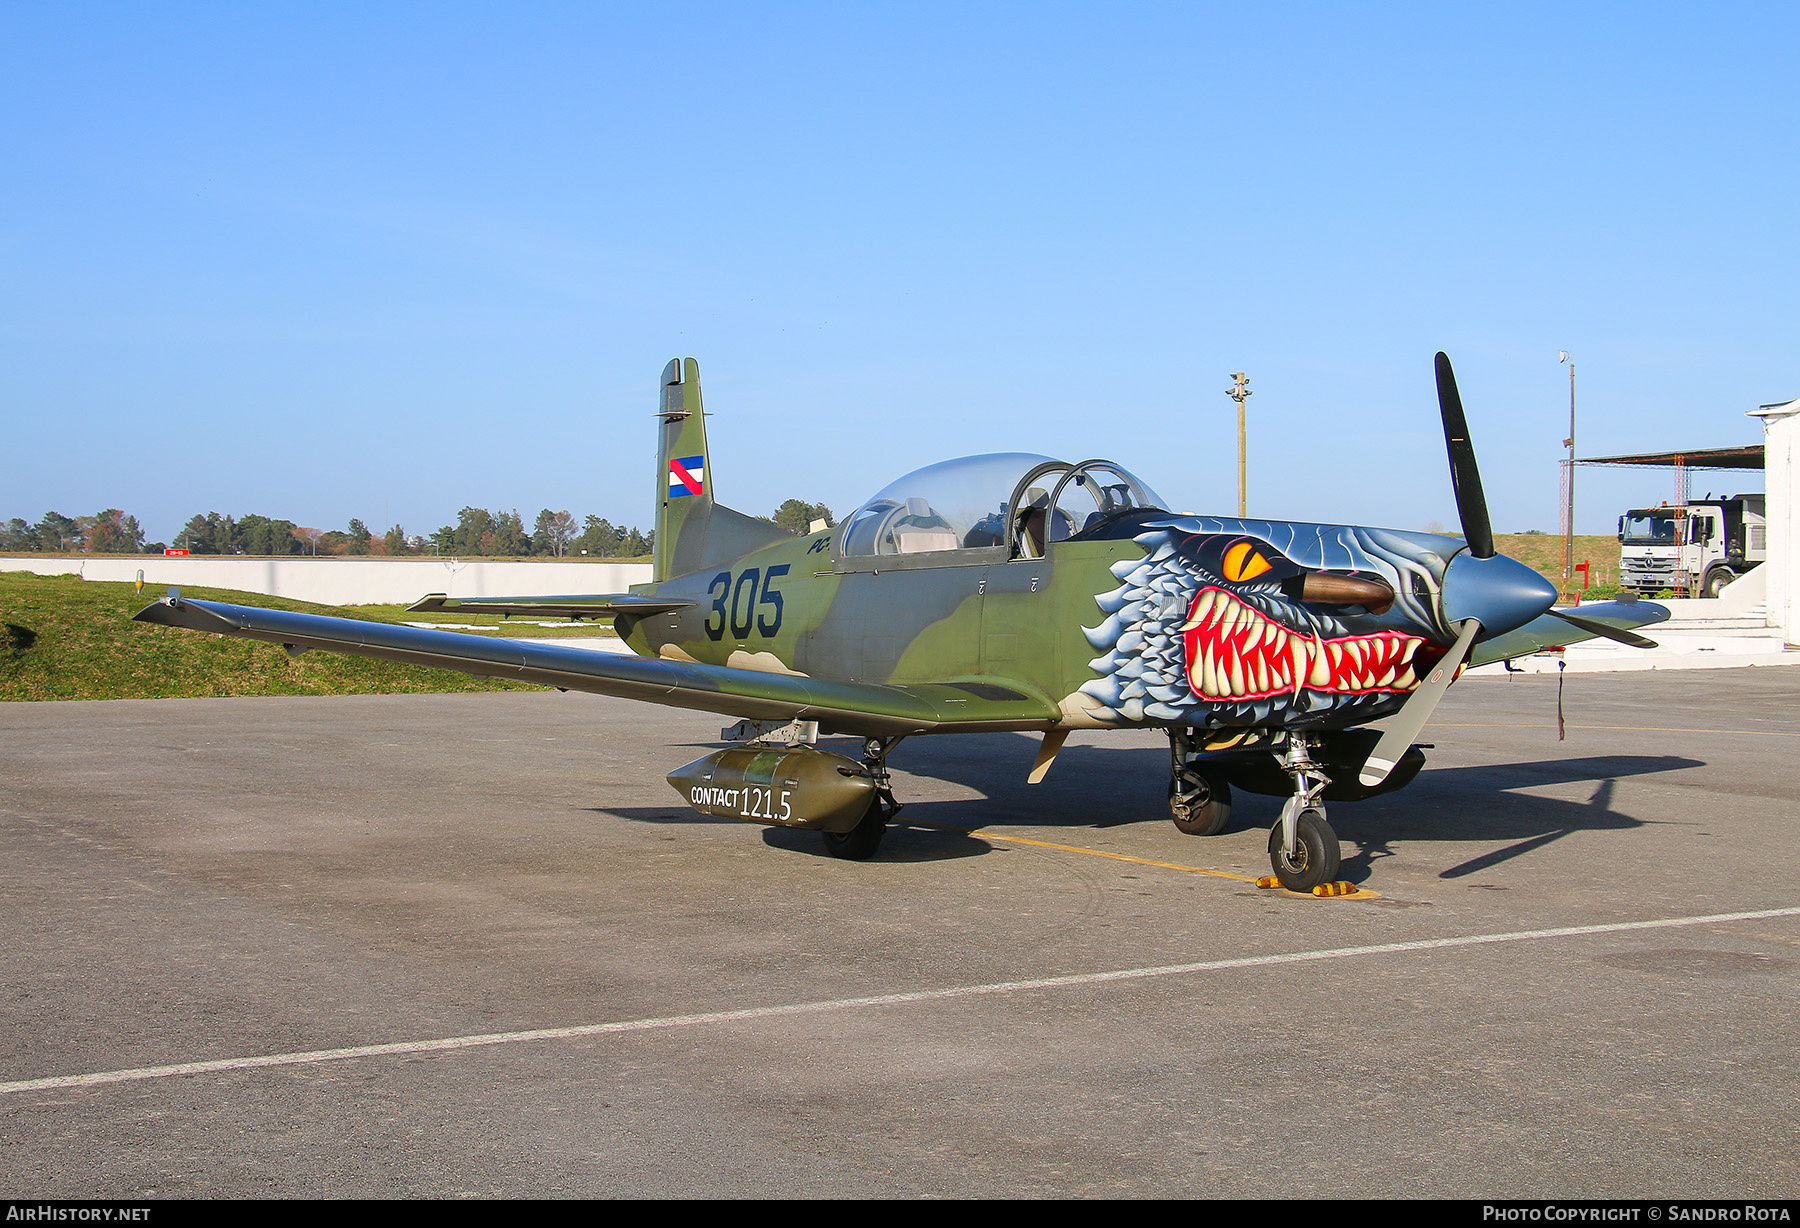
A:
{"x": 905, "y": 842}
{"x": 1097, "y": 787}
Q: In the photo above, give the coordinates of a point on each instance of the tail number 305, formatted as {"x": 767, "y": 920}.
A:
{"x": 743, "y": 601}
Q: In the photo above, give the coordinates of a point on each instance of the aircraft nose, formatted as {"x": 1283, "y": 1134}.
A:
{"x": 1499, "y": 592}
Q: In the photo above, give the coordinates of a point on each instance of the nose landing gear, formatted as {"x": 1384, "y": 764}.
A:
{"x": 1302, "y": 847}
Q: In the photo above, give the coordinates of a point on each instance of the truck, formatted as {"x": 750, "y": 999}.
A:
{"x": 1699, "y": 548}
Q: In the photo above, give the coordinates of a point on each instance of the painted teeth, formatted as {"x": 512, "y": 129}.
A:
{"x": 1241, "y": 653}
{"x": 1202, "y": 608}
{"x": 1296, "y": 659}
{"x": 1320, "y": 677}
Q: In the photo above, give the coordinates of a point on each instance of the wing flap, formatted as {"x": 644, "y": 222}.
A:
{"x": 840, "y": 707}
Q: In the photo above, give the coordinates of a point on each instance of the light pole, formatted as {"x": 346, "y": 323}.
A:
{"x": 1240, "y": 392}
{"x": 1568, "y": 508}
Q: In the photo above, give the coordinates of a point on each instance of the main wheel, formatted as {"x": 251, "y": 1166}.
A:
{"x": 1316, "y": 853}
{"x": 861, "y": 841}
{"x": 1717, "y": 579}
{"x": 1204, "y": 807}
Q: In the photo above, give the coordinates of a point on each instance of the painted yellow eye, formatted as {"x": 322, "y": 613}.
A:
{"x": 1243, "y": 562}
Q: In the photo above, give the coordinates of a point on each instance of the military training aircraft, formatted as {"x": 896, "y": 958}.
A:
{"x": 1016, "y": 592}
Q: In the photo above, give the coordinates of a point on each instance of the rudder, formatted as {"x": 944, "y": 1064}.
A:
{"x": 693, "y": 530}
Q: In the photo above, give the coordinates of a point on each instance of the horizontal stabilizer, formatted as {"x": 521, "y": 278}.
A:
{"x": 599, "y": 605}
{"x": 863, "y": 708}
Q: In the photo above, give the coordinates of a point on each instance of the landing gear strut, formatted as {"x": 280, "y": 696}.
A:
{"x": 1199, "y": 798}
{"x": 861, "y": 841}
{"x": 1302, "y": 847}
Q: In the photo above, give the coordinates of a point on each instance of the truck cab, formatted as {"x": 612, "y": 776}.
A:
{"x": 1697, "y": 549}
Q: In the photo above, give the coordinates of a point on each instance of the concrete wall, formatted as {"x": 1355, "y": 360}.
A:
{"x": 345, "y": 581}
{"x": 1781, "y": 440}
{"x": 1745, "y": 600}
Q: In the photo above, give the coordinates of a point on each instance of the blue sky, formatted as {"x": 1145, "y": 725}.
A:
{"x": 320, "y": 261}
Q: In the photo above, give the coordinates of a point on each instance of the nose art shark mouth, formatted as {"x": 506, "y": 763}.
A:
{"x": 1234, "y": 651}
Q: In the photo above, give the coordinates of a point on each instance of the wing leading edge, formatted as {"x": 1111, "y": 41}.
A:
{"x": 868, "y": 709}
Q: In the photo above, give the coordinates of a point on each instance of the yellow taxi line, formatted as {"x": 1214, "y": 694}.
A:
{"x": 1358, "y": 893}
{"x": 1071, "y": 848}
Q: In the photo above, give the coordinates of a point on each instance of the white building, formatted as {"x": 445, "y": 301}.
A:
{"x": 1781, "y": 441}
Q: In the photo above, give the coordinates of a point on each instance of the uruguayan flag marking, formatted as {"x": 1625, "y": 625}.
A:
{"x": 687, "y": 476}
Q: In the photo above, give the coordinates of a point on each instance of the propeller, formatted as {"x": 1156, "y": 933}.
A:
{"x": 1480, "y": 588}
{"x": 1596, "y": 628}
{"x": 1465, "y": 478}
{"x": 1398, "y": 737}
{"x": 1471, "y": 503}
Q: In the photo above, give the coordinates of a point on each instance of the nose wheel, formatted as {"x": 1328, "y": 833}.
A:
{"x": 1314, "y": 857}
{"x": 1303, "y": 850}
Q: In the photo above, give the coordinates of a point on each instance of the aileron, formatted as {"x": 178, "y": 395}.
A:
{"x": 599, "y": 605}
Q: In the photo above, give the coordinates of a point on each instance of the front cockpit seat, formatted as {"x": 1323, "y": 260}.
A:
{"x": 913, "y": 528}
{"x": 1030, "y": 521}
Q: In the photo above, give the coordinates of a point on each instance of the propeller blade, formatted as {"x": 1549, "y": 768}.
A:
{"x": 1465, "y": 478}
{"x": 1417, "y": 709}
{"x": 1612, "y": 633}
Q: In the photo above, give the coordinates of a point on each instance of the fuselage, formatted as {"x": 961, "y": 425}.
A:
{"x": 1160, "y": 619}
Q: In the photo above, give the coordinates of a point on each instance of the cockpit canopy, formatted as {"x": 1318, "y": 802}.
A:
{"x": 1017, "y": 499}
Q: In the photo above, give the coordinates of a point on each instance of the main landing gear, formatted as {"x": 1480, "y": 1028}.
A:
{"x": 861, "y": 841}
{"x": 1199, "y": 797}
{"x": 1302, "y": 847}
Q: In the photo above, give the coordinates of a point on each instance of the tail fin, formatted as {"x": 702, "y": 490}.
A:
{"x": 693, "y": 531}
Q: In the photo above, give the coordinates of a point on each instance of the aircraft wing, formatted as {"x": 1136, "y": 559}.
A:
{"x": 1548, "y": 631}
{"x": 867, "y": 709}
{"x": 599, "y": 605}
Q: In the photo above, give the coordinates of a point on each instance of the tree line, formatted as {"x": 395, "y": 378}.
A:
{"x": 107, "y": 532}
{"x": 260, "y": 535}
{"x": 477, "y": 532}
{"x": 480, "y": 532}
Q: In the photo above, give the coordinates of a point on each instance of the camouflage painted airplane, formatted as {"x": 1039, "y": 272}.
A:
{"x": 1017, "y": 592}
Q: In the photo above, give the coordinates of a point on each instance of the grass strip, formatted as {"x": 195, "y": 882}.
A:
{"x": 62, "y": 637}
